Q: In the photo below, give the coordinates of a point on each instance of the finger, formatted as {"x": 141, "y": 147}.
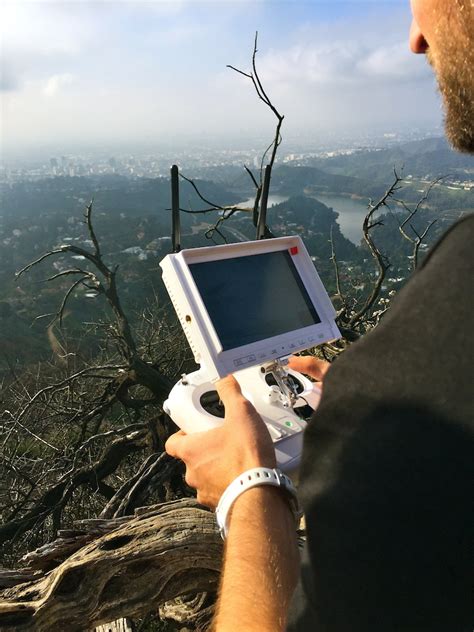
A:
{"x": 309, "y": 365}
{"x": 173, "y": 445}
{"x": 229, "y": 389}
{"x": 306, "y": 364}
{"x": 234, "y": 402}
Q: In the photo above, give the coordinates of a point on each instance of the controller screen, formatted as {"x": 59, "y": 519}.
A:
{"x": 254, "y": 297}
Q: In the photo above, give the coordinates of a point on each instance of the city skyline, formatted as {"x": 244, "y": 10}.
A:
{"x": 106, "y": 72}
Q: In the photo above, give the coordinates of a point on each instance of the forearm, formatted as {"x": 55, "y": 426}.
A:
{"x": 261, "y": 564}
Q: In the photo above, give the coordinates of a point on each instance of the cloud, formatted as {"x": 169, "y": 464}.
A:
{"x": 152, "y": 69}
{"x": 343, "y": 76}
{"x": 55, "y": 84}
{"x": 39, "y": 38}
{"x": 8, "y": 81}
{"x": 40, "y": 28}
{"x": 174, "y": 35}
{"x": 340, "y": 63}
{"x": 391, "y": 62}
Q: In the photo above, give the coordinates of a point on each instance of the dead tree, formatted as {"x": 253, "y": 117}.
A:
{"x": 416, "y": 238}
{"x": 78, "y": 431}
{"x": 381, "y": 260}
{"x": 358, "y": 314}
{"x": 260, "y": 182}
{"x": 272, "y": 149}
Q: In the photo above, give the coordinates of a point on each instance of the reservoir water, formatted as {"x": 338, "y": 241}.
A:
{"x": 351, "y": 212}
{"x": 272, "y": 200}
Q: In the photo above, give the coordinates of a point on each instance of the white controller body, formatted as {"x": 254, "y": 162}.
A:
{"x": 272, "y": 402}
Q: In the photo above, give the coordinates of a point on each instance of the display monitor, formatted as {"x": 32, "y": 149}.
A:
{"x": 248, "y": 303}
{"x": 250, "y": 298}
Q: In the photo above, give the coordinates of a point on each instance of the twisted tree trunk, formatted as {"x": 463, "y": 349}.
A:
{"x": 163, "y": 556}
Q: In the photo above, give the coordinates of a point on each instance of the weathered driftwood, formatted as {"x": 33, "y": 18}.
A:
{"x": 69, "y": 541}
{"x": 10, "y": 578}
{"x": 162, "y": 558}
{"x": 195, "y": 610}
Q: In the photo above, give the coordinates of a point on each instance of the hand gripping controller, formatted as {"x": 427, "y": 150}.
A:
{"x": 282, "y": 397}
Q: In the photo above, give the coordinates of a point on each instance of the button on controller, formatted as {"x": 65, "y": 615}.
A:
{"x": 244, "y": 360}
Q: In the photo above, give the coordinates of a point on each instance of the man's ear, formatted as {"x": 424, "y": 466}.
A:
{"x": 418, "y": 44}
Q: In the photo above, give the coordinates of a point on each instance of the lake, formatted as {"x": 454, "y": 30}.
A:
{"x": 351, "y": 212}
{"x": 272, "y": 200}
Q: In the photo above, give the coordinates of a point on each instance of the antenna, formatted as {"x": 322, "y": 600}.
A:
{"x": 176, "y": 219}
{"x": 262, "y": 216}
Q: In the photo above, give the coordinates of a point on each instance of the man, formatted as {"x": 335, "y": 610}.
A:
{"x": 386, "y": 479}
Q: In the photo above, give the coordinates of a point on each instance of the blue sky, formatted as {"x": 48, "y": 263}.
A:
{"x": 129, "y": 71}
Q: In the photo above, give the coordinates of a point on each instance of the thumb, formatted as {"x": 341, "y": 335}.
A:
{"x": 237, "y": 407}
{"x": 174, "y": 444}
{"x": 229, "y": 390}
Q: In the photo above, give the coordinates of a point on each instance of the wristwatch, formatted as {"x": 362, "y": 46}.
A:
{"x": 254, "y": 478}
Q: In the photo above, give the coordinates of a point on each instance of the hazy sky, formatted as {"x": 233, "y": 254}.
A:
{"x": 111, "y": 71}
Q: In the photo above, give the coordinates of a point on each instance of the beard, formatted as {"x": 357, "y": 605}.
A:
{"x": 454, "y": 66}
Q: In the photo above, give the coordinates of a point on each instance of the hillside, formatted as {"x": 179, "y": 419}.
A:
{"x": 430, "y": 157}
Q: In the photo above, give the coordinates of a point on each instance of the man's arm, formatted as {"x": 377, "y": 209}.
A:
{"x": 261, "y": 564}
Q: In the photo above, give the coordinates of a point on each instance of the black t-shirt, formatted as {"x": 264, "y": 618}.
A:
{"x": 388, "y": 465}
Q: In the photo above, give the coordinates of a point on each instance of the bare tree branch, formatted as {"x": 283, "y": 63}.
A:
{"x": 252, "y": 177}
{"x": 411, "y": 212}
{"x": 339, "y": 292}
{"x": 58, "y": 495}
{"x": 90, "y": 228}
{"x": 108, "y": 287}
{"x": 263, "y": 96}
{"x": 381, "y": 260}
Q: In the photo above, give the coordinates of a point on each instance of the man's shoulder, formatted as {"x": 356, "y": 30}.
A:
{"x": 456, "y": 242}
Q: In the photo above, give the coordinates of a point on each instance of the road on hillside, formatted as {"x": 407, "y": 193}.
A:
{"x": 236, "y": 233}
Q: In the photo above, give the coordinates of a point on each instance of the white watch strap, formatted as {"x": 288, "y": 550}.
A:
{"x": 253, "y": 478}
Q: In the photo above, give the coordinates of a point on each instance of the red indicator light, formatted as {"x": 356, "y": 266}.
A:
{"x": 294, "y": 250}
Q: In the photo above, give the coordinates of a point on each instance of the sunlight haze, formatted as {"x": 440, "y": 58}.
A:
{"x": 87, "y": 73}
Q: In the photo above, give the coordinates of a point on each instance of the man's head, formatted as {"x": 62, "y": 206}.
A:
{"x": 444, "y": 30}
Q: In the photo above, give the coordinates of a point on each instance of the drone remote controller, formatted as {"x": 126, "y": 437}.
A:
{"x": 282, "y": 397}
{"x": 245, "y": 308}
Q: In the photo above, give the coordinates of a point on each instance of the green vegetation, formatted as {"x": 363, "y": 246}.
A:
{"x": 132, "y": 221}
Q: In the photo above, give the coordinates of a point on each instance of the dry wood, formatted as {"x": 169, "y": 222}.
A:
{"x": 163, "y": 557}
